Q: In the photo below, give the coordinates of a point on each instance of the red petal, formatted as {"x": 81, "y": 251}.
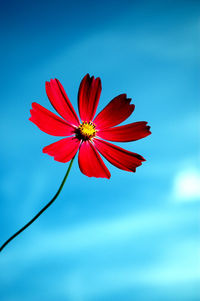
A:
{"x": 63, "y": 150}
{"x": 48, "y": 122}
{"x": 90, "y": 162}
{"x": 126, "y": 133}
{"x": 88, "y": 97}
{"x": 118, "y": 156}
{"x": 60, "y": 101}
{"x": 118, "y": 109}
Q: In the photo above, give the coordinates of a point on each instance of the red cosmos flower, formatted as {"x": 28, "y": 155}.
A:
{"x": 88, "y": 135}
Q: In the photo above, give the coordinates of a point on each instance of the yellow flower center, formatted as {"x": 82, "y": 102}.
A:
{"x": 86, "y": 131}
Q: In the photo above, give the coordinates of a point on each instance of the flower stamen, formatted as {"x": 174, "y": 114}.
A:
{"x": 86, "y": 131}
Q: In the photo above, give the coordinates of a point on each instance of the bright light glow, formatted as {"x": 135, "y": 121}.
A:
{"x": 187, "y": 185}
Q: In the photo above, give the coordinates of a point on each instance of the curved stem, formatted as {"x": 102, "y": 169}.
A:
{"x": 41, "y": 211}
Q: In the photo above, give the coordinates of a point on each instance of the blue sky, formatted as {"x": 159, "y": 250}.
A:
{"x": 135, "y": 236}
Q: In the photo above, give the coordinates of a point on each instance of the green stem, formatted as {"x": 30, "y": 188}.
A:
{"x": 42, "y": 210}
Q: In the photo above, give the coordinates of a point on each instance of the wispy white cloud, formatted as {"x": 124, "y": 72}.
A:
{"x": 94, "y": 235}
{"x": 176, "y": 267}
{"x": 187, "y": 185}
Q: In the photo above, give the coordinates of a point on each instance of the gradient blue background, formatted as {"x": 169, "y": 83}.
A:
{"x": 135, "y": 236}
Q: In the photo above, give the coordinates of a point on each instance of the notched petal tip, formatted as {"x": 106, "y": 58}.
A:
{"x": 63, "y": 150}
{"x": 90, "y": 162}
{"x": 48, "y": 84}
{"x": 116, "y": 111}
{"x": 147, "y": 129}
{"x": 48, "y": 122}
{"x": 125, "y": 133}
{"x": 97, "y": 177}
{"x": 35, "y": 105}
{"x": 88, "y": 97}
{"x": 60, "y": 101}
{"x": 119, "y": 157}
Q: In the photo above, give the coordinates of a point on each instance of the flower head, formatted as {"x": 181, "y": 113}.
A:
{"x": 88, "y": 136}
